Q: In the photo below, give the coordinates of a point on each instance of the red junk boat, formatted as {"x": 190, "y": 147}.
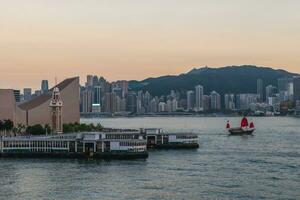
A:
{"x": 244, "y": 129}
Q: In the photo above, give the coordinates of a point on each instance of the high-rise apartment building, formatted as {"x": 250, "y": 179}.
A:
{"x": 229, "y": 101}
{"x": 243, "y": 101}
{"x": 131, "y": 102}
{"x": 190, "y": 100}
{"x": 118, "y": 91}
{"x": 199, "y": 98}
{"x": 162, "y": 107}
{"x": 260, "y": 90}
{"x": 123, "y": 85}
{"x": 206, "y": 102}
{"x": 296, "y": 88}
{"x": 285, "y": 88}
{"x": 153, "y": 106}
{"x": 270, "y": 92}
{"x": 86, "y": 100}
{"x": 215, "y": 100}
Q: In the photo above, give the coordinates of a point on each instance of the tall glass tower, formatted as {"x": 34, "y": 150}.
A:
{"x": 260, "y": 91}
{"x": 44, "y": 86}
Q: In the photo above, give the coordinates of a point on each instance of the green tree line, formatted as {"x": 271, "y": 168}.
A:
{"x": 77, "y": 127}
{"x": 7, "y": 126}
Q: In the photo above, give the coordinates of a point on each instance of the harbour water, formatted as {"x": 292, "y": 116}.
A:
{"x": 263, "y": 166}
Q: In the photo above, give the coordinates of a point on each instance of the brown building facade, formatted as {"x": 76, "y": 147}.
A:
{"x": 37, "y": 110}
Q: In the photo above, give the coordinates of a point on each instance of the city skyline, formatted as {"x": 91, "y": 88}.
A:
{"x": 133, "y": 40}
{"x": 37, "y": 85}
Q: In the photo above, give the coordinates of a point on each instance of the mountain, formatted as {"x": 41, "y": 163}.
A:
{"x": 230, "y": 79}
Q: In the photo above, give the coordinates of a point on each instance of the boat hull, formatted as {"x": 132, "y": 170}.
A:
{"x": 102, "y": 155}
{"x": 239, "y": 131}
{"x": 176, "y": 146}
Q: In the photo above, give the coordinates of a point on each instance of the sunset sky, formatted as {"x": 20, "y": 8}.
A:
{"x": 136, "y": 39}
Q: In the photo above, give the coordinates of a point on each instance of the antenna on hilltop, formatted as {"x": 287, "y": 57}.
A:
{"x": 55, "y": 80}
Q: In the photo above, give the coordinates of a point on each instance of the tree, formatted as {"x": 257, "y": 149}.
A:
{"x": 76, "y": 127}
{"x": 47, "y": 129}
{"x": 99, "y": 127}
{"x": 8, "y": 125}
{"x": 1, "y": 126}
{"x": 35, "y": 130}
{"x": 21, "y": 128}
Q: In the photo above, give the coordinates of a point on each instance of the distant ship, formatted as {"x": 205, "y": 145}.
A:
{"x": 244, "y": 129}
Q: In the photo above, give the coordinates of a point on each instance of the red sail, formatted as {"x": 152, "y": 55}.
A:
{"x": 228, "y": 125}
{"x": 244, "y": 122}
{"x": 251, "y": 125}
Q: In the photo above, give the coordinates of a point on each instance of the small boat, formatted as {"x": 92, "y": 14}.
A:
{"x": 244, "y": 129}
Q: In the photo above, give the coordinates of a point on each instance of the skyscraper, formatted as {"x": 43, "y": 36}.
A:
{"x": 243, "y": 101}
{"x": 206, "y": 102}
{"x": 153, "y": 106}
{"x": 95, "y": 81}
{"x": 283, "y": 83}
{"x": 107, "y": 102}
{"x": 215, "y": 99}
{"x": 285, "y": 88}
{"x": 96, "y": 95}
{"x": 17, "y": 94}
{"x": 131, "y": 102}
{"x": 147, "y": 99}
{"x": 97, "y": 99}
{"x": 27, "y": 94}
{"x": 229, "y": 102}
{"x": 270, "y": 92}
{"x": 296, "y": 87}
{"x": 123, "y": 85}
{"x": 89, "y": 80}
{"x": 260, "y": 90}
{"x": 114, "y": 101}
{"x": 190, "y": 96}
{"x": 118, "y": 91}
{"x": 86, "y": 100}
{"x": 199, "y": 97}
{"x": 44, "y": 86}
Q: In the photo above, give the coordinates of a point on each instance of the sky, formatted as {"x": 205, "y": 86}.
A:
{"x": 136, "y": 39}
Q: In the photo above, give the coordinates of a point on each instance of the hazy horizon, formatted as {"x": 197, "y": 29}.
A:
{"x": 137, "y": 39}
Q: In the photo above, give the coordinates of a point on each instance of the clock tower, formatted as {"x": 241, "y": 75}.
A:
{"x": 56, "y": 105}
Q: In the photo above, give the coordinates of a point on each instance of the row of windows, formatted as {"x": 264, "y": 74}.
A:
{"x": 132, "y": 144}
{"x": 186, "y": 136}
{"x": 139, "y": 149}
{"x": 191, "y": 142}
{"x": 35, "y": 144}
{"x": 119, "y": 136}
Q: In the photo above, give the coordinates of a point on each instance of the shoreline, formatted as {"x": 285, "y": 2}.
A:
{"x": 170, "y": 116}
